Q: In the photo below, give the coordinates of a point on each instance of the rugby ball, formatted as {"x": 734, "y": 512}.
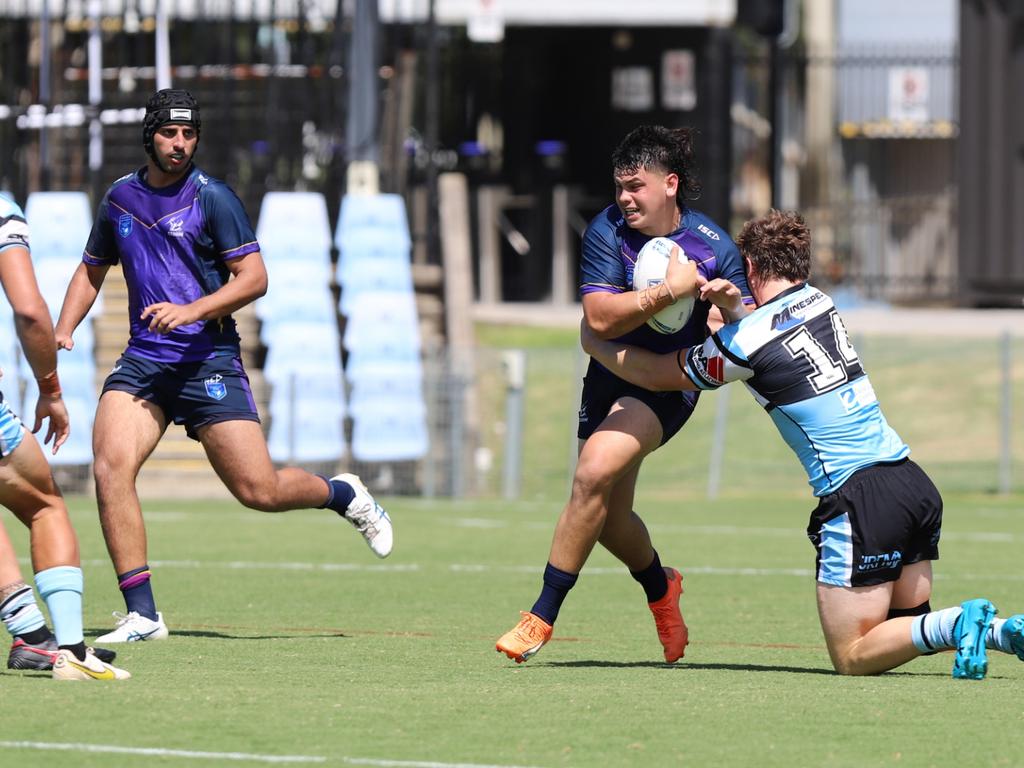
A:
{"x": 649, "y": 271}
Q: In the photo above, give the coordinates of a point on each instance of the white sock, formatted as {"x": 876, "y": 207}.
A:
{"x": 934, "y": 631}
{"x": 994, "y": 637}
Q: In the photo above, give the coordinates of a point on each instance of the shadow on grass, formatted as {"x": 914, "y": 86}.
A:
{"x": 682, "y": 667}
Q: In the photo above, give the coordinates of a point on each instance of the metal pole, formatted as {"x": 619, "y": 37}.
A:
{"x": 1006, "y": 408}
{"x": 718, "y": 443}
{"x": 455, "y": 437}
{"x": 163, "y": 47}
{"x": 432, "y": 130}
{"x": 515, "y": 371}
{"x": 95, "y": 98}
{"x": 44, "y": 93}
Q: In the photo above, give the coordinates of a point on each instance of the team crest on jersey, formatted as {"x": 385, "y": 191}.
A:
{"x": 216, "y": 388}
{"x": 176, "y": 227}
{"x": 711, "y": 369}
{"x": 124, "y": 225}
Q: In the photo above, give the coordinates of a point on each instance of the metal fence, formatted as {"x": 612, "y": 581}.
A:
{"x": 864, "y": 145}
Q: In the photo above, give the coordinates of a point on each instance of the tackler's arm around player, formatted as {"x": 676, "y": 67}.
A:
{"x": 650, "y": 370}
{"x": 248, "y": 283}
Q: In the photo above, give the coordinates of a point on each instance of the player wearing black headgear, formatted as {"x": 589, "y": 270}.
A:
{"x": 169, "y": 106}
{"x": 190, "y": 258}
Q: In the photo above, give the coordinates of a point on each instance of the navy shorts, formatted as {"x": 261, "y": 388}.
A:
{"x": 194, "y": 394}
{"x": 881, "y": 519}
{"x": 601, "y": 388}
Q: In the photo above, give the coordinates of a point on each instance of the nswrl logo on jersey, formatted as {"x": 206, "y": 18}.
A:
{"x": 124, "y": 225}
{"x": 216, "y": 388}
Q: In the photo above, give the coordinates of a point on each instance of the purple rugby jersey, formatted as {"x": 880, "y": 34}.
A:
{"x": 172, "y": 244}
{"x": 609, "y": 255}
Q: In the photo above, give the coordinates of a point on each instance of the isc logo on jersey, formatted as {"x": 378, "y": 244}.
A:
{"x": 710, "y": 233}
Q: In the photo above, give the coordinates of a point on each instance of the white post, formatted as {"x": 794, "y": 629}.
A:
{"x": 163, "y": 47}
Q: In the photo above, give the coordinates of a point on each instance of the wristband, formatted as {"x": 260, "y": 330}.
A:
{"x": 49, "y": 385}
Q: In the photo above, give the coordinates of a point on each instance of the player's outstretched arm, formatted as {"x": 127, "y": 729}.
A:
{"x": 35, "y": 332}
{"x": 636, "y": 365}
{"x": 78, "y": 300}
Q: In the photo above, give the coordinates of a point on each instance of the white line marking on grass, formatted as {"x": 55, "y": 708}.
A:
{"x": 158, "y": 752}
{"x": 243, "y": 565}
{"x": 419, "y": 764}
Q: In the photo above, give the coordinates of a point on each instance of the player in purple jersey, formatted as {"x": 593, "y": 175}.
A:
{"x": 877, "y": 530}
{"x": 190, "y": 258}
{"x": 27, "y": 489}
{"x": 619, "y": 423}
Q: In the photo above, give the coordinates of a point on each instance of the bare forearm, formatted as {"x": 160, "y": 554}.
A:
{"x": 610, "y": 315}
{"x": 82, "y": 292}
{"x": 35, "y": 332}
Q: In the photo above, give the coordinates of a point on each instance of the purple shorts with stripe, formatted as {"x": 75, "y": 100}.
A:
{"x": 193, "y": 394}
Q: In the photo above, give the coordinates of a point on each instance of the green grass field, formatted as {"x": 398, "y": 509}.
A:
{"x": 291, "y": 643}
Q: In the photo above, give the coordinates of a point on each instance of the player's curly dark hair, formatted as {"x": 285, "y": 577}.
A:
{"x": 667, "y": 149}
{"x": 778, "y": 245}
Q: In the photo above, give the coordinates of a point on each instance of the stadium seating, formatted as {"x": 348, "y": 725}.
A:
{"x": 59, "y": 224}
{"x": 378, "y": 213}
{"x": 307, "y": 429}
{"x": 389, "y": 431}
{"x": 294, "y": 226}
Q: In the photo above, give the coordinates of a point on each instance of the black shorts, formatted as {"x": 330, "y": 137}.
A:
{"x": 194, "y": 394}
{"x": 881, "y": 519}
{"x": 601, "y": 388}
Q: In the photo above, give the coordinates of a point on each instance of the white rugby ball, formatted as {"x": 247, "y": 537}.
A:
{"x": 649, "y": 271}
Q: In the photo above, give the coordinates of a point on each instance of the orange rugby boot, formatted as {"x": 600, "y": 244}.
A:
{"x": 668, "y": 619}
{"x": 525, "y": 638}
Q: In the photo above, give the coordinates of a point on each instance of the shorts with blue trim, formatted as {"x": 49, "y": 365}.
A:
{"x": 194, "y": 394}
{"x": 12, "y": 431}
{"x": 884, "y": 517}
{"x": 601, "y": 388}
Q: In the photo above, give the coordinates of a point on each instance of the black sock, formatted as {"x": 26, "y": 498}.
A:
{"x": 556, "y": 586}
{"x": 652, "y": 579}
{"x": 78, "y": 649}
{"x": 37, "y": 636}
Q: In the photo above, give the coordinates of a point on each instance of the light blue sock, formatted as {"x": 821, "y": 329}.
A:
{"x": 20, "y": 613}
{"x": 61, "y": 588}
{"x": 934, "y": 631}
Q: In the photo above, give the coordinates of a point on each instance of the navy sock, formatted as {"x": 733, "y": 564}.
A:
{"x": 556, "y": 586}
{"x": 138, "y": 592}
{"x": 652, "y": 579}
{"x": 340, "y": 495}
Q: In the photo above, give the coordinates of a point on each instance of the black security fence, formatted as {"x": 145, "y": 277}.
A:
{"x": 272, "y": 92}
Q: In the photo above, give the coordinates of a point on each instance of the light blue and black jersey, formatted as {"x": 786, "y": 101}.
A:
{"x": 173, "y": 244}
{"x": 795, "y": 356}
